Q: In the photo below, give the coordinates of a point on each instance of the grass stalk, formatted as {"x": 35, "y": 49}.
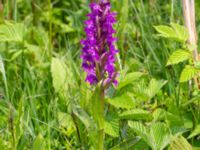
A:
{"x": 11, "y": 127}
{"x": 77, "y": 128}
{"x": 50, "y": 28}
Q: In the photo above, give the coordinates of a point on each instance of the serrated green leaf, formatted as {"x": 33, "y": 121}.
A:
{"x": 180, "y": 143}
{"x": 181, "y": 32}
{"x": 176, "y": 31}
{"x": 129, "y": 79}
{"x": 11, "y": 32}
{"x": 161, "y": 115}
{"x": 136, "y": 114}
{"x": 140, "y": 129}
{"x": 178, "y": 56}
{"x": 156, "y": 136}
{"x": 159, "y": 136}
{"x": 165, "y": 31}
{"x": 195, "y": 132}
{"x": 123, "y": 101}
{"x": 154, "y": 87}
{"x": 188, "y": 73}
{"x": 112, "y": 127}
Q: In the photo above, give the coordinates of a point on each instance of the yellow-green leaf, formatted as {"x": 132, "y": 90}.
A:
{"x": 136, "y": 114}
{"x": 188, "y": 73}
{"x": 59, "y": 75}
{"x": 178, "y": 56}
{"x": 123, "y": 101}
{"x": 10, "y": 32}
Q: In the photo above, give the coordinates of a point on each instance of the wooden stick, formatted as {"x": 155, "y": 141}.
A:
{"x": 189, "y": 18}
{"x": 1, "y": 12}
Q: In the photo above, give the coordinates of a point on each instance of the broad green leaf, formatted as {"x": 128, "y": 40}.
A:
{"x": 136, "y": 114}
{"x": 112, "y": 127}
{"x": 154, "y": 87}
{"x": 129, "y": 79}
{"x": 123, "y": 101}
{"x": 180, "y": 143}
{"x": 195, "y": 132}
{"x": 159, "y": 136}
{"x": 156, "y": 136}
{"x": 140, "y": 129}
{"x": 176, "y": 32}
{"x": 188, "y": 73}
{"x": 159, "y": 114}
{"x": 10, "y": 32}
{"x": 165, "y": 31}
{"x": 39, "y": 143}
{"x": 59, "y": 75}
{"x": 181, "y": 32}
{"x": 178, "y": 56}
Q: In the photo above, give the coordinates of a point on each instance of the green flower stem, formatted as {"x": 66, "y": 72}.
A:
{"x": 100, "y": 142}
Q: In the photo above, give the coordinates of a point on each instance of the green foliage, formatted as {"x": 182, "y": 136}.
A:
{"x": 180, "y": 33}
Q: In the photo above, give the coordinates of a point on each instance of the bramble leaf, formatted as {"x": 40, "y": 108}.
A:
{"x": 188, "y": 73}
{"x": 178, "y": 56}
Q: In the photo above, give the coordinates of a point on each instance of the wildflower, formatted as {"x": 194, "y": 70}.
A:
{"x": 98, "y": 53}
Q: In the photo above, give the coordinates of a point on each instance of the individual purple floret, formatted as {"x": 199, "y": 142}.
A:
{"x": 99, "y": 51}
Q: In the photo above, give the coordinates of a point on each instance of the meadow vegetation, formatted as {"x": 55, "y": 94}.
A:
{"x": 45, "y": 103}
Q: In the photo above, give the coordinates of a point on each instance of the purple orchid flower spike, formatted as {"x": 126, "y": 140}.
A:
{"x": 98, "y": 53}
